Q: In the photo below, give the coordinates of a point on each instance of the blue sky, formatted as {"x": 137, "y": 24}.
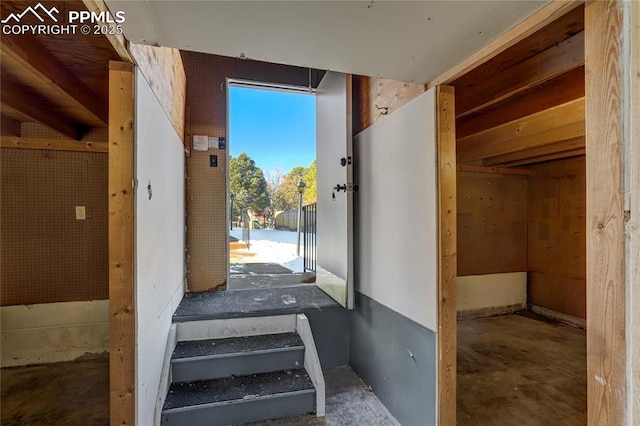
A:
{"x": 272, "y": 127}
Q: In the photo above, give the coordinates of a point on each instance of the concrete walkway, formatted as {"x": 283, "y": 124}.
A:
{"x": 262, "y": 275}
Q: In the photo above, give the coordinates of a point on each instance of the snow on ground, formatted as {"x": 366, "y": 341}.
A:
{"x": 273, "y": 246}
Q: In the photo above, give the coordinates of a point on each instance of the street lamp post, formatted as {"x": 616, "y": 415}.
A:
{"x": 232, "y": 197}
{"x": 301, "y": 187}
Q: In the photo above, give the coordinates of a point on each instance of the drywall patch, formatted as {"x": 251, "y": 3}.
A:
{"x": 491, "y": 290}
{"x": 53, "y": 332}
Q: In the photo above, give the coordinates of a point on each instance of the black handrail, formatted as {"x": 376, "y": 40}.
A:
{"x": 309, "y": 229}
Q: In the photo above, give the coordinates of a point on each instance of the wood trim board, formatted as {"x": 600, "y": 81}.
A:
{"x": 447, "y": 258}
{"x": 122, "y": 377}
{"x": 605, "y": 221}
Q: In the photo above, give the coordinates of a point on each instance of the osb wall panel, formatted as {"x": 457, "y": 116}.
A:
{"x": 374, "y": 98}
{"x": 492, "y": 224}
{"x": 557, "y": 236}
{"x": 163, "y": 70}
{"x": 206, "y": 186}
{"x": 46, "y": 254}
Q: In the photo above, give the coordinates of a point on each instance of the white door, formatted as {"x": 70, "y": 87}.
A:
{"x": 334, "y": 187}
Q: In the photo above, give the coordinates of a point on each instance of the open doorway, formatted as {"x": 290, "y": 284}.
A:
{"x": 521, "y": 232}
{"x": 271, "y": 183}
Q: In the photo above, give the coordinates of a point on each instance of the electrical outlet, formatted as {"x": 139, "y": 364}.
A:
{"x": 81, "y": 213}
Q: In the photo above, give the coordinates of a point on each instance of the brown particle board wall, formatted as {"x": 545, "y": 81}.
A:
{"x": 46, "y": 254}
{"x": 492, "y": 226}
{"x": 557, "y": 236}
{"x": 206, "y": 186}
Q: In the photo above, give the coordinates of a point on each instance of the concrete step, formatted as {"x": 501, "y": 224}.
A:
{"x": 236, "y": 356}
{"x": 237, "y": 400}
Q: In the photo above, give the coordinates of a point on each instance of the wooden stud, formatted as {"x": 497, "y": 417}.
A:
{"x": 53, "y": 144}
{"x": 35, "y": 59}
{"x": 122, "y": 377}
{"x": 497, "y": 170}
{"x": 118, "y": 41}
{"x": 543, "y": 17}
{"x": 566, "y": 145}
{"x": 9, "y": 126}
{"x": 606, "y": 340}
{"x": 548, "y": 157}
{"x": 544, "y": 66}
{"x": 447, "y": 260}
{"x": 633, "y": 225}
{"x": 563, "y": 122}
{"x": 559, "y": 90}
{"x": 32, "y": 106}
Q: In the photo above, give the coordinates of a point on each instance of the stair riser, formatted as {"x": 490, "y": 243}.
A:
{"x": 236, "y": 365}
{"x": 222, "y": 414}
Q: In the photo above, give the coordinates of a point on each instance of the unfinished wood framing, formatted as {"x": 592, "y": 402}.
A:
{"x": 53, "y": 144}
{"x": 546, "y": 127}
{"x": 535, "y": 22}
{"x": 31, "y": 56}
{"x": 498, "y": 170}
{"x": 556, "y": 91}
{"x": 549, "y": 157}
{"x": 544, "y": 66}
{"x": 447, "y": 258}
{"x": 122, "y": 377}
{"x": 605, "y": 115}
{"x": 118, "y": 41}
{"x": 562, "y": 146}
{"x": 162, "y": 68}
{"x": 34, "y": 108}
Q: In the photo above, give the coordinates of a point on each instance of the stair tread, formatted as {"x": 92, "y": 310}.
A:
{"x": 233, "y": 345}
{"x": 250, "y": 387}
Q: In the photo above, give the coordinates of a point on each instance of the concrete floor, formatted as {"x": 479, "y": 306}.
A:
{"x": 521, "y": 370}
{"x": 349, "y": 403}
{"x": 77, "y": 393}
{"x": 66, "y": 393}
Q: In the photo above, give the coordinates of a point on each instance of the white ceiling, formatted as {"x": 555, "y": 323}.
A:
{"x": 402, "y": 40}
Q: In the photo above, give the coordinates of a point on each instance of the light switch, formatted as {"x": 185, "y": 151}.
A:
{"x": 81, "y": 213}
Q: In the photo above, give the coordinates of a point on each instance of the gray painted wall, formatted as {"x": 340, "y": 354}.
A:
{"x": 397, "y": 358}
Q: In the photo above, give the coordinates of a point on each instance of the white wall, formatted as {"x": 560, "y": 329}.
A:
{"x": 491, "y": 290}
{"x": 159, "y": 241}
{"x": 53, "y": 332}
{"x": 397, "y": 205}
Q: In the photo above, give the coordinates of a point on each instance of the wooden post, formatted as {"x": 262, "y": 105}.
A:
{"x": 122, "y": 375}
{"x": 605, "y": 146}
{"x": 447, "y": 249}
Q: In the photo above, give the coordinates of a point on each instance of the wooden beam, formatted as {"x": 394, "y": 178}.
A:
{"x": 561, "y": 146}
{"x": 122, "y": 377}
{"x": 118, "y": 41}
{"x": 549, "y": 157}
{"x": 555, "y": 124}
{"x": 496, "y": 170}
{"x": 33, "y": 107}
{"x": 53, "y": 144}
{"x": 559, "y": 90}
{"x": 35, "y": 59}
{"x": 544, "y": 66}
{"x": 447, "y": 249}
{"x": 9, "y": 126}
{"x": 524, "y": 29}
{"x": 605, "y": 70}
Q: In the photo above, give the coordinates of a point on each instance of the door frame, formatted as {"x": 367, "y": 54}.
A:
{"x": 613, "y": 133}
